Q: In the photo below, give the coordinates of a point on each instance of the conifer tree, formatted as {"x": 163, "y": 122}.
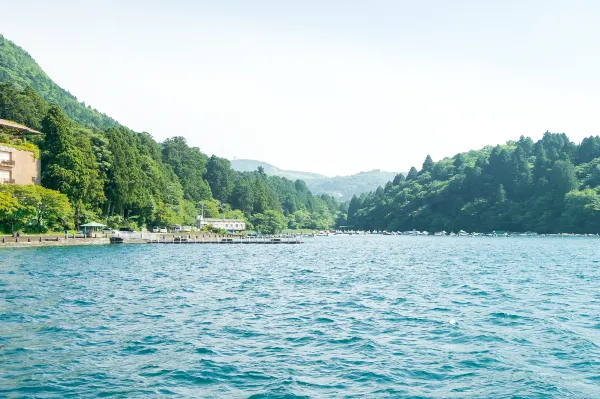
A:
{"x": 68, "y": 163}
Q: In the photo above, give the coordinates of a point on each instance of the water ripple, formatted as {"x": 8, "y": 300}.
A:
{"x": 337, "y": 317}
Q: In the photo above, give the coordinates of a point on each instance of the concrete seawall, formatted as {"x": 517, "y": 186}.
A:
{"x": 55, "y": 241}
{"x": 33, "y": 241}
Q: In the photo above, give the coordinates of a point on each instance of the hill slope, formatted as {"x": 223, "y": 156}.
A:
{"x": 124, "y": 178}
{"x": 548, "y": 186}
{"x": 250, "y": 165}
{"x": 18, "y": 67}
{"x": 340, "y": 187}
{"x": 344, "y": 187}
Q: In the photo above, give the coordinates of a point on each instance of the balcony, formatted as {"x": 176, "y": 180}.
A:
{"x": 7, "y": 162}
{"x": 7, "y": 181}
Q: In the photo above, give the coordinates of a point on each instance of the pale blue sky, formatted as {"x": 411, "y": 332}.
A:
{"x": 334, "y": 87}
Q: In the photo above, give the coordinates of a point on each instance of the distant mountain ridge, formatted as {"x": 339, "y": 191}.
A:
{"x": 341, "y": 187}
{"x": 250, "y": 165}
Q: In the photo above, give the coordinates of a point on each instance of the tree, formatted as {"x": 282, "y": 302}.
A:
{"x": 34, "y": 208}
{"x": 189, "y": 164}
{"x": 49, "y": 208}
{"x": 69, "y": 164}
{"x": 427, "y": 164}
{"x": 412, "y": 174}
{"x": 23, "y": 106}
{"x": 11, "y": 211}
{"x": 220, "y": 177}
{"x": 300, "y": 220}
{"x": 20, "y": 68}
{"x": 582, "y": 212}
{"x": 126, "y": 186}
{"x": 269, "y": 222}
{"x": 563, "y": 177}
{"x": 211, "y": 209}
{"x": 516, "y": 186}
{"x": 588, "y": 150}
{"x": 128, "y": 178}
{"x": 399, "y": 179}
{"x": 242, "y": 196}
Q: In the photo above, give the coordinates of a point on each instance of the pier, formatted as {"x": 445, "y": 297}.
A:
{"x": 195, "y": 239}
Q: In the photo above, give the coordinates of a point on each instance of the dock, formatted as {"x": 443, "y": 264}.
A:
{"x": 192, "y": 239}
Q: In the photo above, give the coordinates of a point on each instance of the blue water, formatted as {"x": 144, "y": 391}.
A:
{"x": 354, "y": 317}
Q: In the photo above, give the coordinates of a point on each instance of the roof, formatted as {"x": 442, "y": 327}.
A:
{"x": 16, "y": 126}
{"x": 223, "y": 220}
{"x": 93, "y": 224}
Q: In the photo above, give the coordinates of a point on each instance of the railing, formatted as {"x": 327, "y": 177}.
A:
{"x": 7, "y": 181}
{"x": 7, "y": 162}
{"x": 130, "y": 234}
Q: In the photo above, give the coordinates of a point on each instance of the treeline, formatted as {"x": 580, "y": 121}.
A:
{"x": 548, "y": 186}
{"x": 33, "y": 208}
{"x": 127, "y": 178}
{"x": 17, "y": 66}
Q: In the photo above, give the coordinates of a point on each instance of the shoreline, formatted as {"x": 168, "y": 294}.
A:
{"x": 28, "y": 242}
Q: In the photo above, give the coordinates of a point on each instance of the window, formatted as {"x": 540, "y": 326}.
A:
{"x": 4, "y": 176}
{"x": 4, "y": 156}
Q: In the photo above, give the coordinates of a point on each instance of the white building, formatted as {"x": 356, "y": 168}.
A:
{"x": 231, "y": 225}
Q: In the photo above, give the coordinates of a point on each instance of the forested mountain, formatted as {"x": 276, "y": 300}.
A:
{"x": 111, "y": 173}
{"x": 248, "y": 165}
{"x": 17, "y": 66}
{"x": 548, "y": 186}
{"x": 95, "y": 169}
{"x": 344, "y": 187}
{"x": 340, "y": 187}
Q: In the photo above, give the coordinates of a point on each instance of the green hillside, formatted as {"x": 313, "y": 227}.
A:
{"x": 97, "y": 170}
{"x": 249, "y": 165}
{"x": 548, "y": 186}
{"x": 18, "y": 67}
{"x": 344, "y": 187}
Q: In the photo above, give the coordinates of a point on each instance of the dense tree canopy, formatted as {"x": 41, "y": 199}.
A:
{"x": 127, "y": 178}
{"x": 220, "y": 178}
{"x": 19, "y": 69}
{"x": 70, "y": 164}
{"x": 189, "y": 164}
{"x": 33, "y": 208}
{"x": 548, "y": 186}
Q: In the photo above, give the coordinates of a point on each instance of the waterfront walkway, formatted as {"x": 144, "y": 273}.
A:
{"x": 201, "y": 239}
{"x": 52, "y": 240}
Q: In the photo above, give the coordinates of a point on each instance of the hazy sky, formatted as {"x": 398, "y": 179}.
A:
{"x": 334, "y": 87}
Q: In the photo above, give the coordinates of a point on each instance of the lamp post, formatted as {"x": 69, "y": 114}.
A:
{"x": 202, "y": 215}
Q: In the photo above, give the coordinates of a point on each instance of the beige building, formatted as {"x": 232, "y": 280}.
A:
{"x": 231, "y": 225}
{"x": 18, "y": 166}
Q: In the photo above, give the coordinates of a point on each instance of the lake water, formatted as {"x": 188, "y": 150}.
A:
{"x": 344, "y": 316}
